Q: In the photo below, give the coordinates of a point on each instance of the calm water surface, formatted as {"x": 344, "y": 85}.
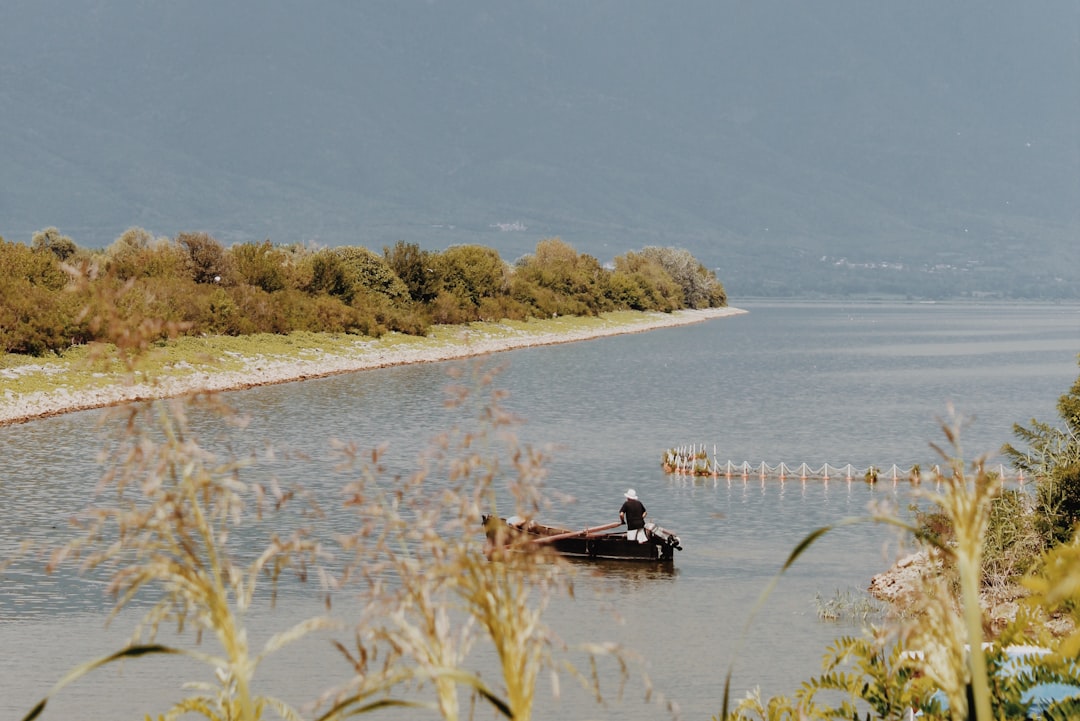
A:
{"x": 811, "y": 382}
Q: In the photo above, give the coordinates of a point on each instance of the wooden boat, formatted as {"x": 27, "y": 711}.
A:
{"x": 593, "y": 543}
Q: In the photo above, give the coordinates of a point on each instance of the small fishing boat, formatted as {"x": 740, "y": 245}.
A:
{"x": 594, "y": 543}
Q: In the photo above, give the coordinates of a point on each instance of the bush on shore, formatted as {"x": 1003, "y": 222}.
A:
{"x": 203, "y": 288}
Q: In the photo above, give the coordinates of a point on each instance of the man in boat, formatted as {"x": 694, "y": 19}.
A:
{"x": 633, "y": 515}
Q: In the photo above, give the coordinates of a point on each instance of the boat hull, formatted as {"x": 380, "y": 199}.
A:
{"x": 659, "y": 548}
{"x": 614, "y": 547}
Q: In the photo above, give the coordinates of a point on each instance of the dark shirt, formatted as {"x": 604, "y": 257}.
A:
{"x": 633, "y": 511}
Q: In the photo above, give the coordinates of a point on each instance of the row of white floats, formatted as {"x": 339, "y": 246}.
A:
{"x": 695, "y": 461}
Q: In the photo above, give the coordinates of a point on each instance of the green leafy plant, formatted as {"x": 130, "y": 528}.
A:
{"x": 880, "y": 678}
{"x": 1052, "y": 458}
{"x": 947, "y": 618}
{"x": 935, "y": 659}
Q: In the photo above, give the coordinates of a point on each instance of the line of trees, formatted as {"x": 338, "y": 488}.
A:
{"x": 49, "y": 289}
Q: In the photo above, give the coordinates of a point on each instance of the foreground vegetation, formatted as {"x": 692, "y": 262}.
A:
{"x": 202, "y": 538}
{"x": 178, "y": 525}
{"x": 54, "y": 295}
{"x": 980, "y": 538}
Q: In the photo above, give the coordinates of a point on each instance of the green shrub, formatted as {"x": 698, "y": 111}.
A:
{"x": 450, "y": 309}
{"x": 330, "y": 315}
{"x": 206, "y": 261}
{"x": 416, "y": 268}
{"x": 471, "y": 273}
{"x": 700, "y": 288}
{"x": 1052, "y": 459}
{"x": 367, "y": 271}
{"x": 628, "y": 290}
{"x": 137, "y": 254}
{"x": 327, "y": 275}
{"x": 297, "y": 309}
{"x": 33, "y": 320}
{"x": 656, "y": 289}
{"x": 541, "y": 302}
{"x": 261, "y": 265}
{"x": 556, "y": 279}
{"x": 934, "y": 527}
{"x": 50, "y": 240}
{"x": 41, "y": 269}
{"x": 1013, "y": 542}
{"x": 501, "y": 307}
{"x": 415, "y": 320}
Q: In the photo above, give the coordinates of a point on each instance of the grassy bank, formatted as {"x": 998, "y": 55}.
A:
{"x": 83, "y": 377}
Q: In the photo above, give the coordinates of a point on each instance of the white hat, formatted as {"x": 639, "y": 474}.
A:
{"x": 631, "y": 494}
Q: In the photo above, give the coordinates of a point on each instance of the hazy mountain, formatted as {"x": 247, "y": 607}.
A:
{"x": 793, "y": 146}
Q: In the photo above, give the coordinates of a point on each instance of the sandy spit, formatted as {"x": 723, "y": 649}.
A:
{"x": 261, "y": 370}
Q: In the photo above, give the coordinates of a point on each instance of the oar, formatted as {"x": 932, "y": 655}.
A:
{"x": 583, "y": 532}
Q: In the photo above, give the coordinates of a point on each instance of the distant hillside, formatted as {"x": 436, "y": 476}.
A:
{"x": 920, "y": 148}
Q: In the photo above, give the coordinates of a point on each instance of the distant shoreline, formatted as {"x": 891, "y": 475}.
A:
{"x": 259, "y": 370}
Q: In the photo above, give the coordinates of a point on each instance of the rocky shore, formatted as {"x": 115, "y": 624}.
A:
{"x": 901, "y": 585}
{"x": 364, "y": 354}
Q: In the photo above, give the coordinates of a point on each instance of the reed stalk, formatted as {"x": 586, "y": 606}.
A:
{"x": 177, "y": 524}
{"x": 443, "y": 589}
{"x": 169, "y": 532}
{"x": 949, "y": 648}
{"x": 967, "y": 501}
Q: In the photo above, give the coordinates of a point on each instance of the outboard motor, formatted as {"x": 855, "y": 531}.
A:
{"x": 663, "y": 535}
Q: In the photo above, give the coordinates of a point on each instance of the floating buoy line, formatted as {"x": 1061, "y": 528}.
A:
{"x": 695, "y": 460}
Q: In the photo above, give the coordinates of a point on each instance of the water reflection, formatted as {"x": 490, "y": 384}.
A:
{"x": 627, "y": 575}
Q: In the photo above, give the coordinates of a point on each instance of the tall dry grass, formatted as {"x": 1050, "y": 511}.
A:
{"x": 197, "y": 533}
{"x": 179, "y": 527}
{"x": 435, "y": 588}
{"x": 938, "y": 643}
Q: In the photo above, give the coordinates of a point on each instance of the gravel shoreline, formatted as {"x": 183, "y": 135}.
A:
{"x": 261, "y": 370}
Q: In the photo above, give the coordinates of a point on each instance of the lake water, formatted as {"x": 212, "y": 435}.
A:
{"x": 815, "y": 383}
